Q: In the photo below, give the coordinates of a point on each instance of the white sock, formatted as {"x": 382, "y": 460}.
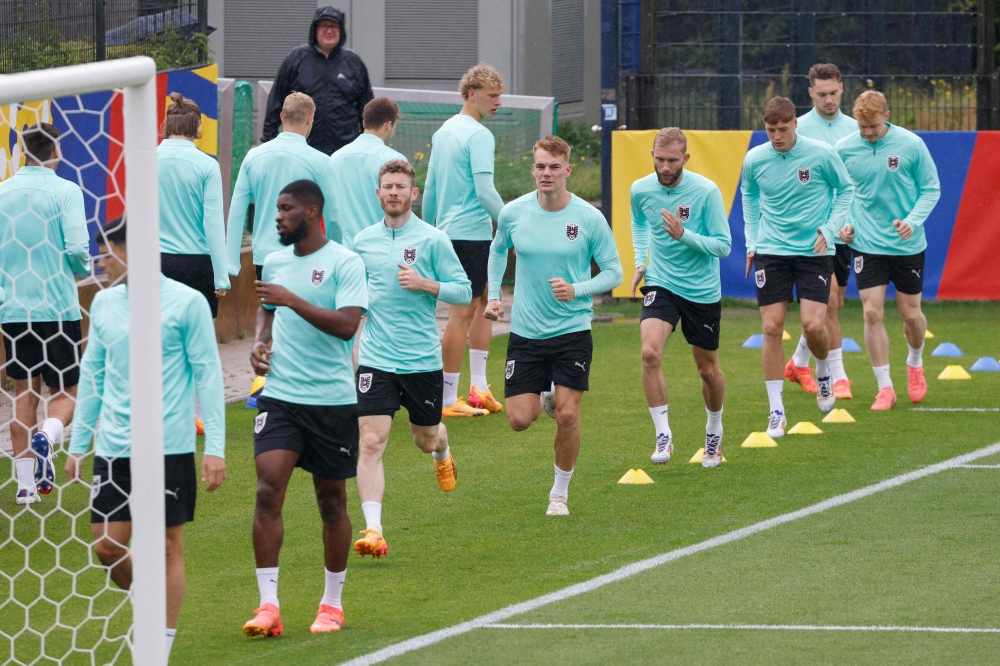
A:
{"x": 836, "y": 360}
{"x": 171, "y": 633}
{"x": 450, "y": 396}
{"x": 561, "y": 486}
{"x": 25, "y": 473}
{"x": 477, "y": 366}
{"x": 823, "y": 368}
{"x": 267, "y": 583}
{"x": 441, "y": 456}
{"x": 774, "y": 389}
{"x": 915, "y": 357}
{"x": 53, "y": 429}
{"x": 802, "y": 354}
{"x": 660, "y": 421}
{"x": 334, "y": 586}
{"x": 882, "y": 376}
{"x": 714, "y": 425}
{"x": 373, "y": 515}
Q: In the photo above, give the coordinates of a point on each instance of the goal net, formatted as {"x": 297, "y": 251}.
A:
{"x": 59, "y": 604}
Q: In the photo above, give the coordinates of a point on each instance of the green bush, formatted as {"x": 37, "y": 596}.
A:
{"x": 585, "y": 142}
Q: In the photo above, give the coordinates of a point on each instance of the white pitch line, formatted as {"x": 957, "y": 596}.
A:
{"x": 428, "y": 639}
{"x": 766, "y": 627}
{"x": 980, "y": 466}
{"x": 954, "y": 409}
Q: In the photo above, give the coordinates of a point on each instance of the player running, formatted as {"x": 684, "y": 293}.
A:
{"x": 796, "y": 193}
{"x": 311, "y": 298}
{"x": 679, "y": 221}
{"x": 190, "y": 360}
{"x": 411, "y": 265}
{"x": 897, "y": 188}
{"x": 355, "y": 170}
{"x": 461, "y": 200}
{"x": 265, "y": 171}
{"x": 555, "y": 235}
{"x": 43, "y": 243}
{"x": 827, "y": 123}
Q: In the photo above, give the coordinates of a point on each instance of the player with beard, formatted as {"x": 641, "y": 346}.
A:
{"x": 679, "y": 221}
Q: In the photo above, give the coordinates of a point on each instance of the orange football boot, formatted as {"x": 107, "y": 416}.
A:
{"x": 885, "y": 400}
{"x": 371, "y": 544}
{"x": 328, "y": 618}
{"x": 462, "y": 410}
{"x": 266, "y": 622}
{"x": 483, "y": 400}
{"x": 801, "y": 376}
{"x": 447, "y": 473}
{"x": 842, "y": 389}
{"x": 916, "y": 383}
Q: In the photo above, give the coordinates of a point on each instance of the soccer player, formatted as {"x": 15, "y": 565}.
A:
{"x": 265, "y": 171}
{"x": 461, "y": 200}
{"x": 796, "y": 193}
{"x": 897, "y": 187}
{"x": 43, "y": 243}
{"x": 190, "y": 359}
{"x": 679, "y": 221}
{"x": 555, "y": 235}
{"x": 192, "y": 229}
{"x": 411, "y": 265}
{"x": 827, "y": 123}
{"x": 311, "y": 298}
{"x": 355, "y": 170}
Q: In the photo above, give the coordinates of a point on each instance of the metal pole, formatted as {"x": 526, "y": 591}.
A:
{"x": 203, "y": 27}
{"x": 986, "y": 43}
{"x": 100, "y": 29}
{"x": 609, "y": 102}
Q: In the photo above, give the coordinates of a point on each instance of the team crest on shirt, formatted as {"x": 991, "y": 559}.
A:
{"x": 859, "y": 263}
{"x": 572, "y": 231}
{"x": 805, "y": 175}
{"x": 684, "y": 212}
{"x": 409, "y": 254}
{"x": 648, "y": 300}
{"x": 317, "y": 277}
{"x": 510, "y": 369}
{"x": 892, "y": 161}
{"x": 761, "y": 278}
{"x": 364, "y": 382}
{"x": 258, "y": 423}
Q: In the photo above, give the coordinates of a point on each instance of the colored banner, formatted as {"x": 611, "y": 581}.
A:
{"x": 963, "y": 232}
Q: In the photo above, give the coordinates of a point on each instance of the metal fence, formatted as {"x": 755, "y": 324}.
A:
{"x": 37, "y": 34}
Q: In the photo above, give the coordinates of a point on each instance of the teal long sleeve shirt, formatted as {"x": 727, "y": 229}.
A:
{"x": 190, "y": 361}
{"x": 553, "y": 245}
{"x": 688, "y": 267}
{"x": 817, "y": 127}
{"x": 43, "y": 242}
{"x": 354, "y": 176}
{"x": 896, "y": 180}
{"x": 401, "y": 333}
{"x": 191, "y": 216}
{"x": 788, "y": 196}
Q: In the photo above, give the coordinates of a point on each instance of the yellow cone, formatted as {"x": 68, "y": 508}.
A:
{"x": 928, "y": 334}
{"x": 954, "y": 372}
{"x": 838, "y": 416}
{"x": 642, "y": 477}
{"x": 785, "y": 335}
{"x": 258, "y": 384}
{"x": 696, "y": 458}
{"x": 758, "y": 440}
{"x": 805, "y": 428}
{"x": 628, "y": 478}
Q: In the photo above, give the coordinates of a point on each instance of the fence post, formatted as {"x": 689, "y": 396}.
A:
{"x": 647, "y": 101}
{"x": 728, "y": 62}
{"x": 986, "y": 81}
{"x": 203, "y": 27}
{"x": 100, "y": 30}
{"x": 609, "y": 103}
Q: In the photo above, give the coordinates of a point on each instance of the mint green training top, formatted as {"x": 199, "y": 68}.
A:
{"x": 401, "y": 333}
{"x": 817, "y": 127}
{"x": 896, "y": 180}
{"x": 688, "y": 267}
{"x": 265, "y": 171}
{"x": 553, "y": 245}
{"x": 190, "y": 361}
{"x": 355, "y": 179}
{"x": 788, "y": 196}
{"x": 461, "y": 148}
{"x": 191, "y": 218}
{"x": 43, "y": 242}
{"x": 309, "y": 367}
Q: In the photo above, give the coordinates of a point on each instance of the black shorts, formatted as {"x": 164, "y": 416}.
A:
{"x": 876, "y": 270}
{"x": 47, "y": 348}
{"x": 475, "y": 259}
{"x": 533, "y": 365}
{"x": 112, "y": 486}
{"x": 842, "y": 264}
{"x": 381, "y": 393}
{"x": 194, "y": 270}
{"x": 775, "y": 276}
{"x": 324, "y": 436}
{"x": 699, "y": 321}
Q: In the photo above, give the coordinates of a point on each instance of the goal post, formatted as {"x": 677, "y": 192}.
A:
{"x": 137, "y": 77}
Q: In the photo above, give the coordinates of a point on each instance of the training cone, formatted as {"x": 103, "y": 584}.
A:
{"x": 255, "y": 388}
{"x": 928, "y": 334}
{"x": 635, "y": 476}
{"x": 785, "y": 335}
{"x": 696, "y": 458}
{"x": 954, "y": 372}
{"x": 758, "y": 440}
{"x": 838, "y": 416}
{"x": 805, "y": 428}
{"x": 754, "y": 341}
{"x": 986, "y": 364}
{"x": 947, "y": 349}
{"x": 850, "y": 345}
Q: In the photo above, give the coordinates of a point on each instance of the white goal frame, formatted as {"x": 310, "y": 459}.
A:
{"x": 138, "y": 78}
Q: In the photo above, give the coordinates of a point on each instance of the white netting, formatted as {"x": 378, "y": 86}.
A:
{"x": 59, "y": 603}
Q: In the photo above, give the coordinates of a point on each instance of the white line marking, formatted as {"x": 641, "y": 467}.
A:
{"x": 954, "y": 409}
{"x": 980, "y": 466}
{"x": 425, "y": 640}
{"x": 768, "y": 627}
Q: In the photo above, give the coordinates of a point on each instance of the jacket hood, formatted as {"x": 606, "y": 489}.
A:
{"x": 332, "y": 13}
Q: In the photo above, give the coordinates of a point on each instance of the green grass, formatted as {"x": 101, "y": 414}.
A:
{"x": 919, "y": 554}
